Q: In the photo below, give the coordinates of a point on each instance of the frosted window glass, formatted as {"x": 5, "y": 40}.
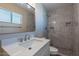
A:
{"x": 16, "y": 18}
{"x": 5, "y": 15}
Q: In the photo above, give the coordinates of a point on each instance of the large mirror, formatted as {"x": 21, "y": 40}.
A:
{"x": 16, "y": 17}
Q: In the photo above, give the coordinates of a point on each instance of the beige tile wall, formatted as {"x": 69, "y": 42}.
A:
{"x": 76, "y": 29}
{"x": 61, "y": 35}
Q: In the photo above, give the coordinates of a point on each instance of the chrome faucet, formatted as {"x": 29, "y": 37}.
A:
{"x": 20, "y": 41}
{"x": 27, "y": 37}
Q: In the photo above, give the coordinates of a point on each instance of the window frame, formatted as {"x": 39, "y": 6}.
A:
{"x": 11, "y": 16}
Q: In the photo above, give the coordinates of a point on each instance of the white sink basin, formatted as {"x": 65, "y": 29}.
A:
{"x": 32, "y": 43}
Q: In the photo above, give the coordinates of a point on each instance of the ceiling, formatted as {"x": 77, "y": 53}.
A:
{"x": 51, "y": 6}
{"x": 25, "y": 6}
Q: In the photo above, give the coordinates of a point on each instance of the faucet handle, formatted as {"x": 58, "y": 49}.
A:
{"x": 20, "y": 39}
{"x": 27, "y": 37}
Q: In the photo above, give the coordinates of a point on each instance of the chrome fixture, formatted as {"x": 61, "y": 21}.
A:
{"x": 27, "y": 37}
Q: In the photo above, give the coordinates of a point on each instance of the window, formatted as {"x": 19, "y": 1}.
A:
{"x": 16, "y": 18}
{"x": 5, "y": 15}
{"x": 10, "y": 17}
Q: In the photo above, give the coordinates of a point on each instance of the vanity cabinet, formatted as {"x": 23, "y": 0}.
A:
{"x": 44, "y": 51}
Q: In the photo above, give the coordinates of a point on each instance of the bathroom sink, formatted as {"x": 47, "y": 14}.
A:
{"x": 29, "y": 48}
{"x": 32, "y": 43}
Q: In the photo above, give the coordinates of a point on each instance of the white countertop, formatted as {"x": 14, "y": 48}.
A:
{"x": 17, "y": 50}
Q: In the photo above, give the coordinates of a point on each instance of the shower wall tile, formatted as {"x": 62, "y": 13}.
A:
{"x": 76, "y": 29}
{"x": 61, "y": 35}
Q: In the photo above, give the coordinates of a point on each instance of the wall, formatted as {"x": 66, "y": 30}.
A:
{"x": 26, "y": 20}
{"x": 76, "y": 29}
{"x": 60, "y": 26}
{"x": 41, "y": 19}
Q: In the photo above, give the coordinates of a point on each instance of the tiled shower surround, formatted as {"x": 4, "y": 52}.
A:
{"x": 63, "y": 29}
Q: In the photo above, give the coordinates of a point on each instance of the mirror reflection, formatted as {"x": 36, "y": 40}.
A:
{"x": 17, "y": 17}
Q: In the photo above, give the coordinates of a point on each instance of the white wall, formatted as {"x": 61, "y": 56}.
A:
{"x": 41, "y": 19}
